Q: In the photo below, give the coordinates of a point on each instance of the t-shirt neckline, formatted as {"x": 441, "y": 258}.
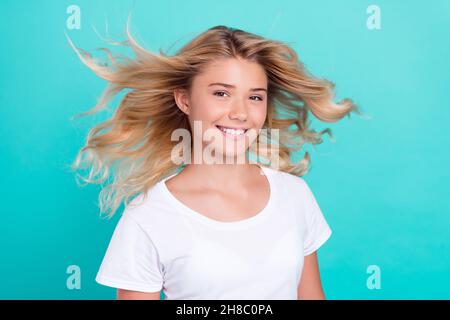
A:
{"x": 186, "y": 210}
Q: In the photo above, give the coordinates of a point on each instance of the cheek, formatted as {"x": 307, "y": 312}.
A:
{"x": 206, "y": 110}
{"x": 258, "y": 115}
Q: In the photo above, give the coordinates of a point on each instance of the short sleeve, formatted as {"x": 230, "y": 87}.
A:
{"x": 317, "y": 229}
{"x": 131, "y": 260}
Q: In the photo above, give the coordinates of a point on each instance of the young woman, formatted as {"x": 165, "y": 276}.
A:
{"x": 198, "y": 229}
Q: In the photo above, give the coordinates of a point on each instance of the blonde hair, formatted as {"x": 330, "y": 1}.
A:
{"x": 133, "y": 148}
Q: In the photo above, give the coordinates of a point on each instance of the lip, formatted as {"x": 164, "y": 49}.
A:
{"x": 235, "y": 128}
{"x": 232, "y": 136}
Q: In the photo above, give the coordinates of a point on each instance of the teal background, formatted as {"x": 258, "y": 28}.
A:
{"x": 383, "y": 186}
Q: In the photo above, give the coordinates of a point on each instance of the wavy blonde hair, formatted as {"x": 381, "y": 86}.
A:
{"x": 131, "y": 151}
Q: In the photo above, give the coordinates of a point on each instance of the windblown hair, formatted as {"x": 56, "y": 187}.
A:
{"x": 133, "y": 148}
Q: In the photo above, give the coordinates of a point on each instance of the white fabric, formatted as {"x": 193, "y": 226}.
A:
{"x": 162, "y": 244}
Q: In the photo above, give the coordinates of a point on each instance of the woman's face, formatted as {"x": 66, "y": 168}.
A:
{"x": 229, "y": 93}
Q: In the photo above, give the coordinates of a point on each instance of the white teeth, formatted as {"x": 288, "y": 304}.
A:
{"x": 232, "y": 131}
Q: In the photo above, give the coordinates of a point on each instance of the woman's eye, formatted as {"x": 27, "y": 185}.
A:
{"x": 215, "y": 93}
{"x": 260, "y": 99}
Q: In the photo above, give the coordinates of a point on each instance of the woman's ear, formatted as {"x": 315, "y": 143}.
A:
{"x": 181, "y": 99}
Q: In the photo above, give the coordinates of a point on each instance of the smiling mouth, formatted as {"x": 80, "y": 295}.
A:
{"x": 231, "y": 131}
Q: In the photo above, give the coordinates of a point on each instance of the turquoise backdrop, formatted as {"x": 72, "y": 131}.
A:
{"x": 383, "y": 185}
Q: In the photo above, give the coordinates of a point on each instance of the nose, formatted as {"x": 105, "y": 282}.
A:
{"x": 238, "y": 111}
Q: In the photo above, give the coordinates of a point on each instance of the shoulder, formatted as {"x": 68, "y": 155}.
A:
{"x": 289, "y": 181}
{"x": 292, "y": 189}
{"x": 149, "y": 206}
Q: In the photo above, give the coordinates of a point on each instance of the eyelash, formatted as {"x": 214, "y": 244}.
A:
{"x": 261, "y": 99}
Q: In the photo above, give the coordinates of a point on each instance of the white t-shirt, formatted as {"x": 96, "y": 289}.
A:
{"x": 162, "y": 244}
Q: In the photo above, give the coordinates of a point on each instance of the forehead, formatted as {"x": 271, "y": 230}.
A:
{"x": 233, "y": 71}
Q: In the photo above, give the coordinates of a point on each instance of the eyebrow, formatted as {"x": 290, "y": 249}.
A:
{"x": 233, "y": 87}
